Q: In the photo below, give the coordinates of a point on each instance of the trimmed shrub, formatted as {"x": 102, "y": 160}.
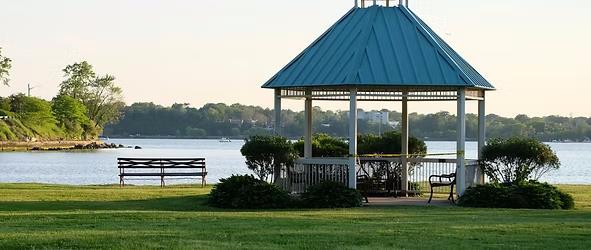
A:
{"x": 389, "y": 143}
{"x": 330, "y": 194}
{"x": 517, "y": 159}
{"x": 568, "y": 202}
{"x": 247, "y": 192}
{"x": 266, "y": 155}
{"x": 533, "y": 195}
{"x": 324, "y": 145}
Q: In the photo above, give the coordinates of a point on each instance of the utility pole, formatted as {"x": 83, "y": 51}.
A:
{"x": 29, "y": 88}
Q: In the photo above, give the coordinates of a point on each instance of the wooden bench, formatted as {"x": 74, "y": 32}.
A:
{"x": 161, "y": 167}
{"x": 443, "y": 181}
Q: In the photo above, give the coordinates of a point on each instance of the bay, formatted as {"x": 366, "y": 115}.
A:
{"x": 223, "y": 159}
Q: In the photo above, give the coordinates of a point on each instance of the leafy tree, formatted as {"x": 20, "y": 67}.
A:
{"x": 101, "y": 96}
{"x": 266, "y": 155}
{"x": 71, "y": 115}
{"x": 105, "y": 102}
{"x": 517, "y": 159}
{"x": 32, "y": 110}
{"x": 4, "y": 104}
{"x": 5, "y": 66}
{"x": 79, "y": 77}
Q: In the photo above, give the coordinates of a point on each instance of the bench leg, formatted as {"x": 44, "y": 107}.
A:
{"x": 203, "y": 181}
{"x": 121, "y": 182}
{"x": 431, "y": 197}
{"x": 451, "y": 195}
{"x": 161, "y": 181}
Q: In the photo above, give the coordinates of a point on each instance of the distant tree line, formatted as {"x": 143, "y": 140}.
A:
{"x": 236, "y": 120}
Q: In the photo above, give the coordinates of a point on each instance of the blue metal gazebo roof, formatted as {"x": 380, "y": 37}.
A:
{"x": 379, "y": 47}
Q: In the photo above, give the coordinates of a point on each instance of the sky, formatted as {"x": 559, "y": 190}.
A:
{"x": 535, "y": 52}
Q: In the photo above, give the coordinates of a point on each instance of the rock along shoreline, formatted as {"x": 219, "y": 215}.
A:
{"x": 59, "y": 146}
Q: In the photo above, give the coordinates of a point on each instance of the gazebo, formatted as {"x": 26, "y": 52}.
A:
{"x": 381, "y": 51}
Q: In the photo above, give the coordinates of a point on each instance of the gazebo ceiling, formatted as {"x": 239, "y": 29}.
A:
{"x": 386, "y": 47}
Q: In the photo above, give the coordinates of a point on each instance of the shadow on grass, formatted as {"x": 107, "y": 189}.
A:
{"x": 180, "y": 203}
{"x": 192, "y": 203}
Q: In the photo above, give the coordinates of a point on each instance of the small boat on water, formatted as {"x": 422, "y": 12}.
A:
{"x": 224, "y": 139}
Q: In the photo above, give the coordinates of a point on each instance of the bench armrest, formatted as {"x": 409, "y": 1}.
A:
{"x": 450, "y": 177}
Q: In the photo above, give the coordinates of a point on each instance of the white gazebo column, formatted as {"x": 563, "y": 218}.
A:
{"x": 461, "y": 142}
{"x": 353, "y": 138}
{"x": 308, "y": 125}
{"x": 404, "y": 143}
{"x": 277, "y": 111}
{"x": 481, "y": 132}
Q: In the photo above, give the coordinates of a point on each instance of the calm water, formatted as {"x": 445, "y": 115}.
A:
{"x": 223, "y": 160}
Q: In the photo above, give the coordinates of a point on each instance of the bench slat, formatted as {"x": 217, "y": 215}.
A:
{"x": 163, "y": 174}
{"x": 165, "y": 167}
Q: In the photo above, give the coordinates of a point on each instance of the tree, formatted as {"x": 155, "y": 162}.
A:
{"x": 79, "y": 77}
{"x": 517, "y": 159}
{"x": 100, "y": 95}
{"x": 71, "y": 115}
{"x": 266, "y": 155}
{"x": 32, "y": 110}
{"x": 105, "y": 101}
{"x": 5, "y": 66}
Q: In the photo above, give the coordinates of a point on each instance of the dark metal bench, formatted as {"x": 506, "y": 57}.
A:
{"x": 161, "y": 167}
{"x": 443, "y": 181}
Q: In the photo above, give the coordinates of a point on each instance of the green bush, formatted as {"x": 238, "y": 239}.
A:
{"x": 517, "y": 159}
{"x": 247, "y": 192}
{"x": 568, "y": 202}
{"x": 533, "y": 195}
{"x": 389, "y": 143}
{"x": 266, "y": 155}
{"x": 324, "y": 145}
{"x": 329, "y": 194}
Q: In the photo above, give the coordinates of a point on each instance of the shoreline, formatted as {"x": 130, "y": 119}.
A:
{"x": 291, "y": 138}
{"x": 55, "y": 145}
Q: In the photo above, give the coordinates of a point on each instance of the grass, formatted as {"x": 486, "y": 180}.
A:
{"x": 52, "y": 216}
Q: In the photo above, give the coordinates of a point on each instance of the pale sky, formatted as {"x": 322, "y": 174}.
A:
{"x": 536, "y": 52}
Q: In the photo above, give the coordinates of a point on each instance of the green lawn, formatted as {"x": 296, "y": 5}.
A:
{"x": 48, "y": 216}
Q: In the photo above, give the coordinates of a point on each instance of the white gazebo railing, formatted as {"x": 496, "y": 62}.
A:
{"x": 311, "y": 171}
{"x": 383, "y": 172}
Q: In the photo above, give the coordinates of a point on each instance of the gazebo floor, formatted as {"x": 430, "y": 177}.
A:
{"x": 407, "y": 201}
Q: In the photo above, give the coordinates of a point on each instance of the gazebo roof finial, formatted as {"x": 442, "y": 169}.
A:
{"x": 387, "y": 3}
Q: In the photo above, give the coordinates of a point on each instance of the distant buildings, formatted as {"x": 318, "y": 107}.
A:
{"x": 376, "y": 117}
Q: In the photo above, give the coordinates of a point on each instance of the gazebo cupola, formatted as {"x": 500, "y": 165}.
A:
{"x": 381, "y": 51}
